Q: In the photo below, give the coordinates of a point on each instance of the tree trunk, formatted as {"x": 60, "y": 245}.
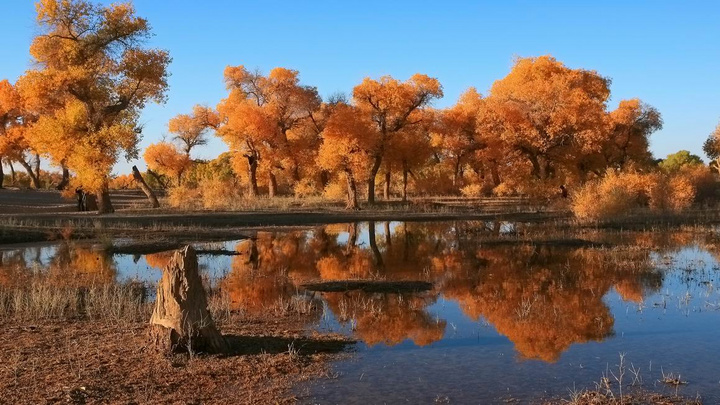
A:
{"x": 386, "y": 189}
{"x": 546, "y": 170}
{"x": 352, "y": 202}
{"x": 405, "y": 182}
{"x": 272, "y": 185}
{"x": 456, "y": 172}
{"x": 181, "y": 320}
{"x": 252, "y": 176}
{"x": 13, "y": 178}
{"x": 31, "y": 174}
{"x": 144, "y": 187}
{"x": 65, "y": 178}
{"x": 2, "y": 173}
{"x": 495, "y": 174}
{"x": 371, "y": 179}
{"x": 37, "y": 168}
{"x": 104, "y": 205}
{"x": 324, "y": 179}
{"x": 352, "y": 238}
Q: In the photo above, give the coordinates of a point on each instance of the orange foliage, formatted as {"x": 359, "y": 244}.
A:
{"x": 89, "y": 90}
{"x": 190, "y": 129}
{"x": 165, "y": 158}
{"x": 391, "y": 106}
{"x": 618, "y": 194}
{"x": 265, "y": 121}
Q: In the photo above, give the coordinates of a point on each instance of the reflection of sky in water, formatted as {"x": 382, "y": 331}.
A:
{"x": 674, "y": 328}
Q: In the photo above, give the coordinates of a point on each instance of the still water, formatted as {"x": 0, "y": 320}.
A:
{"x": 515, "y": 313}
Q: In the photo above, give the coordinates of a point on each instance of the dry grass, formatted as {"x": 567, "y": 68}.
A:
{"x": 42, "y": 300}
{"x": 622, "y": 384}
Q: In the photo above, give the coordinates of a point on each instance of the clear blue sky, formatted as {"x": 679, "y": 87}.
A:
{"x": 665, "y": 52}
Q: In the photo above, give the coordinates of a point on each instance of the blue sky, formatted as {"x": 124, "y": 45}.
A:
{"x": 665, "y": 52}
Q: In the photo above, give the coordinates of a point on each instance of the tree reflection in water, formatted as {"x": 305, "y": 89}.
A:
{"x": 69, "y": 266}
{"x": 543, "y": 296}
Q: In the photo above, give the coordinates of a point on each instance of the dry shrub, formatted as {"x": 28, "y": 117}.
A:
{"x": 305, "y": 188}
{"x": 472, "y": 190}
{"x": 704, "y": 180}
{"x": 670, "y": 193}
{"x": 219, "y": 194}
{"x": 336, "y": 190}
{"x": 607, "y": 198}
{"x": 617, "y": 194}
{"x": 42, "y": 299}
{"x": 212, "y": 194}
{"x": 185, "y": 197}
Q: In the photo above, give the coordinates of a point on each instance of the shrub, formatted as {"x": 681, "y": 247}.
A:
{"x": 212, "y": 194}
{"x": 219, "y": 194}
{"x": 704, "y": 180}
{"x": 604, "y": 199}
{"x": 617, "y": 194}
{"x": 670, "y": 193}
{"x": 336, "y": 190}
{"x": 473, "y": 190}
{"x": 185, "y": 197}
{"x": 305, "y": 188}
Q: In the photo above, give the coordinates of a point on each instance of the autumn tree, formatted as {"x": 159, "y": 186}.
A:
{"x": 630, "y": 127}
{"x": 14, "y": 123}
{"x": 711, "y": 147}
{"x": 348, "y": 139}
{"x": 166, "y": 159}
{"x": 392, "y": 105}
{"x": 409, "y": 150}
{"x": 90, "y": 63}
{"x": 190, "y": 130}
{"x": 549, "y": 114}
{"x": 9, "y": 101}
{"x": 260, "y": 118}
{"x": 455, "y": 134}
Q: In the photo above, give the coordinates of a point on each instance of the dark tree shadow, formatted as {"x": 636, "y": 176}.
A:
{"x": 249, "y": 345}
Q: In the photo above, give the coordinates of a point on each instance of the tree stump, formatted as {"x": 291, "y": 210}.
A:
{"x": 181, "y": 320}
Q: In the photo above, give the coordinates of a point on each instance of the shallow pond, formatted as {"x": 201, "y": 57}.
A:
{"x": 515, "y": 313}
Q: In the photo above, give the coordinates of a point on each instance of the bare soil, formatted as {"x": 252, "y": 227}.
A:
{"x": 91, "y": 362}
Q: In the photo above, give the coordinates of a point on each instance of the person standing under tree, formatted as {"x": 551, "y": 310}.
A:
{"x": 80, "y": 194}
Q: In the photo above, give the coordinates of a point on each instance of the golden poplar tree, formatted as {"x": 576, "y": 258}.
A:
{"x": 261, "y": 119}
{"x": 90, "y": 62}
{"x": 392, "y": 105}
{"x": 548, "y": 114}
{"x": 190, "y": 130}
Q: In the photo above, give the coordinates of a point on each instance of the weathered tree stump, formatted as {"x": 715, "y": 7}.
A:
{"x": 181, "y": 320}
